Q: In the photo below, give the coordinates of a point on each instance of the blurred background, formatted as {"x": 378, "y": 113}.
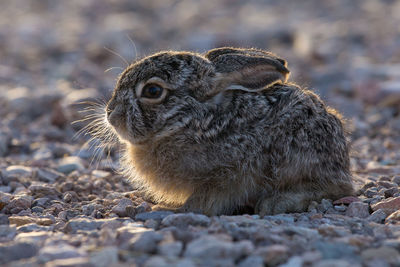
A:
{"x": 54, "y": 53}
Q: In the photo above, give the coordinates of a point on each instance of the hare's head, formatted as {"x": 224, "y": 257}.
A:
{"x": 159, "y": 95}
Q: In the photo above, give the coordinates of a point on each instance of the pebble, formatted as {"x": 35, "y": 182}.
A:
{"x": 104, "y": 257}
{"x": 389, "y": 205}
{"x": 358, "y": 209}
{"x": 183, "y": 220}
{"x": 393, "y": 218}
{"x": 387, "y": 254}
{"x": 377, "y": 216}
{"x": 120, "y": 208}
{"x": 58, "y": 251}
{"x": 70, "y": 164}
{"x": 7, "y": 232}
{"x": 153, "y": 215}
{"x": 71, "y": 262}
{"x": 273, "y": 254}
{"x": 145, "y": 241}
{"x": 17, "y": 171}
{"x": 16, "y": 251}
{"x": 212, "y": 247}
{"x": 48, "y": 175}
{"x": 39, "y": 190}
{"x": 21, "y": 220}
{"x": 81, "y": 224}
{"x": 172, "y": 249}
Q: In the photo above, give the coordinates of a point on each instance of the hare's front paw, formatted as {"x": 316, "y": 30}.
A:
{"x": 283, "y": 203}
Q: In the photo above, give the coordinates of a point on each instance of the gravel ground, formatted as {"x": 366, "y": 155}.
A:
{"x": 63, "y": 204}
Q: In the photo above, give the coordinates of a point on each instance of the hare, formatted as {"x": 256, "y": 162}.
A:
{"x": 224, "y": 131}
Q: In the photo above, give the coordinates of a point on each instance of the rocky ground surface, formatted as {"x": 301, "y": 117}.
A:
{"x": 63, "y": 204}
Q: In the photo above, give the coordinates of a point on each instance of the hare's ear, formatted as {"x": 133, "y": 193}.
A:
{"x": 246, "y": 69}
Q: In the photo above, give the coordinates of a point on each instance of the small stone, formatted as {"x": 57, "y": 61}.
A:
{"x": 325, "y": 205}
{"x": 45, "y": 221}
{"x": 333, "y": 263}
{"x": 346, "y": 200}
{"x": 387, "y": 184}
{"x": 48, "y": 175}
{"x": 154, "y": 215}
{"x": 21, "y": 220}
{"x": 151, "y": 224}
{"x": 341, "y": 208}
{"x": 32, "y": 227}
{"x": 253, "y": 261}
{"x": 387, "y": 254}
{"x": 393, "y": 218}
{"x": 377, "y": 216}
{"x": 371, "y": 192}
{"x": 104, "y": 257}
{"x": 67, "y": 197}
{"x": 209, "y": 246}
{"x": 16, "y": 251}
{"x": 145, "y": 242}
{"x": 70, "y": 164}
{"x": 183, "y": 220}
{"x": 143, "y": 207}
{"x": 37, "y": 209}
{"x": 388, "y": 205}
{"x": 18, "y": 171}
{"x": 170, "y": 248}
{"x": 4, "y": 219}
{"x": 120, "y": 208}
{"x": 7, "y": 232}
{"x": 20, "y": 202}
{"x": 303, "y": 231}
{"x": 335, "y": 250}
{"x": 58, "y": 251}
{"x": 32, "y": 237}
{"x": 333, "y": 231}
{"x": 71, "y": 262}
{"x": 44, "y": 190}
{"x": 100, "y": 174}
{"x": 76, "y": 224}
{"x": 273, "y": 254}
{"x": 396, "y": 179}
{"x": 358, "y": 209}
{"x": 4, "y": 199}
{"x": 390, "y": 191}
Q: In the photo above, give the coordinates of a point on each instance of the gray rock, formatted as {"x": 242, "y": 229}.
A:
{"x": 377, "y": 216}
{"x": 209, "y": 246}
{"x": 341, "y": 208}
{"x": 33, "y": 237}
{"x": 390, "y": 191}
{"x": 153, "y": 215}
{"x": 71, "y": 262}
{"x": 104, "y": 257}
{"x": 281, "y": 218}
{"x": 5, "y": 141}
{"x": 325, "y": 205}
{"x": 20, "y": 202}
{"x": 145, "y": 242}
{"x": 253, "y": 261}
{"x": 33, "y": 227}
{"x": 18, "y": 171}
{"x": 4, "y": 219}
{"x": 7, "y": 232}
{"x": 388, "y": 254}
{"x": 273, "y": 254}
{"x": 396, "y": 179}
{"x": 48, "y": 175}
{"x": 303, "y": 231}
{"x": 336, "y": 250}
{"x": 5, "y": 189}
{"x": 70, "y": 164}
{"x": 336, "y": 263}
{"x": 44, "y": 190}
{"x": 173, "y": 249}
{"x": 58, "y": 251}
{"x": 81, "y": 224}
{"x": 5, "y": 198}
{"x": 16, "y": 251}
{"x": 358, "y": 209}
{"x": 183, "y": 220}
{"x": 120, "y": 208}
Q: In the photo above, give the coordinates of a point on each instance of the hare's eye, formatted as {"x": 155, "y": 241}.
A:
{"x": 152, "y": 91}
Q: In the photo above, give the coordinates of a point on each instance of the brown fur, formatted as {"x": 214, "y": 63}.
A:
{"x": 218, "y": 143}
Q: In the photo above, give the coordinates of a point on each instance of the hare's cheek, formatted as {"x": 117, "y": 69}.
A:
{"x": 135, "y": 122}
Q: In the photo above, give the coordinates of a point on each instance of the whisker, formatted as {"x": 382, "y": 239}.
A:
{"x": 118, "y": 55}
{"x": 134, "y": 46}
